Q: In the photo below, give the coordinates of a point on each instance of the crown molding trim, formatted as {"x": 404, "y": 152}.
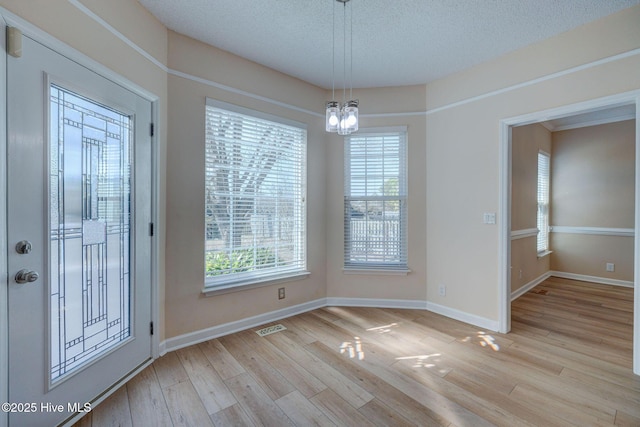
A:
{"x": 427, "y": 112}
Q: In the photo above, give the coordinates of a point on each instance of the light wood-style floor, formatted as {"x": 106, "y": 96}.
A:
{"x": 567, "y": 361}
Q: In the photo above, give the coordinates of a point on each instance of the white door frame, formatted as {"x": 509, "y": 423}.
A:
{"x": 4, "y": 290}
{"x": 504, "y": 249}
{"x": 9, "y": 19}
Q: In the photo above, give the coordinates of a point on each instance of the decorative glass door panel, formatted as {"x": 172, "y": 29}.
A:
{"x": 89, "y": 216}
{"x": 78, "y": 246}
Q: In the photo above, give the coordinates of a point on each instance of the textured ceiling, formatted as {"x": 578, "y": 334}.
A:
{"x": 395, "y": 43}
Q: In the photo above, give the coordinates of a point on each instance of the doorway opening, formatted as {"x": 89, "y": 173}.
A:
{"x": 603, "y": 110}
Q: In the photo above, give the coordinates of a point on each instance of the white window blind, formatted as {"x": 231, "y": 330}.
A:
{"x": 543, "y": 202}
{"x": 375, "y": 200}
{"x": 254, "y": 196}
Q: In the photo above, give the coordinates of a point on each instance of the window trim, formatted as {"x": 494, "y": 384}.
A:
{"x": 371, "y": 267}
{"x": 212, "y": 285}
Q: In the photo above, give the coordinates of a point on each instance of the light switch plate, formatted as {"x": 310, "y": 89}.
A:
{"x": 489, "y": 218}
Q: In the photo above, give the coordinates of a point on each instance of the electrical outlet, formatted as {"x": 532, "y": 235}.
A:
{"x": 280, "y": 293}
{"x": 442, "y": 290}
{"x": 611, "y": 266}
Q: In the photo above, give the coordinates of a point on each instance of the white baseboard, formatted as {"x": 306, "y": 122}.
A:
{"x": 472, "y": 319}
{"x": 196, "y": 337}
{"x": 191, "y": 338}
{"x": 593, "y": 279}
{"x": 532, "y": 284}
{"x": 535, "y": 282}
{"x": 162, "y": 348}
{"x": 376, "y": 302}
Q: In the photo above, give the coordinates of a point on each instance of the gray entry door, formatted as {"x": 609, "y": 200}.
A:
{"x": 79, "y": 209}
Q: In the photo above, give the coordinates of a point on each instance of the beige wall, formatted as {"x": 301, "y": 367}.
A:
{"x": 453, "y": 152}
{"x": 593, "y": 185}
{"x": 588, "y": 254}
{"x": 462, "y": 141}
{"x": 593, "y": 176}
{"x": 527, "y": 141}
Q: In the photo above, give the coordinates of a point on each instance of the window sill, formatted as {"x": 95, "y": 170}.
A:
{"x": 253, "y": 283}
{"x": 544, "y": 254}
{"x": 376, "y": 271}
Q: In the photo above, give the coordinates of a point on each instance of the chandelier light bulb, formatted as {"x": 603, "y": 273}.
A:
{"x": 351, "y": 119}
{"x": 332, "y": 118}
{"x": 350, "y": 114}
{"x": 343, "y": 129}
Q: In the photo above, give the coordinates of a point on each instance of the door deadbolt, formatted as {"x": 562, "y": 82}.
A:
{"x": 23, "y": 247}
{"x": 26, "y": 276}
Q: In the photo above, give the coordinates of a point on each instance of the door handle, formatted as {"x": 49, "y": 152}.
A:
{"x": 26, "y": 276}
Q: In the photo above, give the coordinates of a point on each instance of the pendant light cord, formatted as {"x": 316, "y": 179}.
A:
{"x": 333, "y": 55}
{"x": 344, "y": 53}
{"x": 351, "y": 53}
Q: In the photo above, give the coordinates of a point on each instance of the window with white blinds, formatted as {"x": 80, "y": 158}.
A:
{"x": 375, "y": 200}
{"x": 543, "y": 202}
{"x": 254, "y": 196}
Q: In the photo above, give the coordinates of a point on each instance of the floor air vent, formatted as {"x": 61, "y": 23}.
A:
{"x": 270, "y": 330}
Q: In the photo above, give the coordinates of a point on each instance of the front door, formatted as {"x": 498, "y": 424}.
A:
{"x": 79, "y": 210}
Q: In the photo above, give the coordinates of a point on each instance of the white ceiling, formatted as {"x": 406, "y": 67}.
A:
{"x": 395, "y": 43}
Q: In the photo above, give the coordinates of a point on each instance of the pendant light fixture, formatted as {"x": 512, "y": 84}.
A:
{"x": 342, "y": 117}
